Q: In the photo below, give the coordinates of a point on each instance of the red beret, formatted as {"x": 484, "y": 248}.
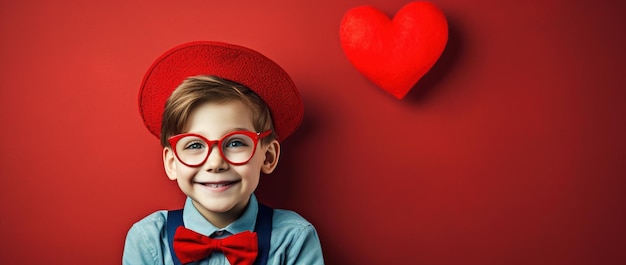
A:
{"x": 232, "y": 62}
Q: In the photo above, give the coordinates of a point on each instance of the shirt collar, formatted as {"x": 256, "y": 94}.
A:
{"x": 195, "y": 221}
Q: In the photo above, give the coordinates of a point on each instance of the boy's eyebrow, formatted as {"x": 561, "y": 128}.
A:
{"x": 225, "y": 133}
{"x": 241, "y": 129}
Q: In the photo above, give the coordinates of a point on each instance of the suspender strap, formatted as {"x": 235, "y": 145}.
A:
{"x": 263, "y": 228}
{"x": 174, "y": 220}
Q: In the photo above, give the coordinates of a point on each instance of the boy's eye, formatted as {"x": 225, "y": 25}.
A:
{"x": 235, "y": 143}
{"x": 194, "y": 145}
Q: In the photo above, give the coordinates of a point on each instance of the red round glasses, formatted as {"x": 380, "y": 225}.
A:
{"x": 237, "y": 147}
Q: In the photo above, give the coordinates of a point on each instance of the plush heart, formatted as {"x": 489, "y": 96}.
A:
{"x": 394, "y": 54}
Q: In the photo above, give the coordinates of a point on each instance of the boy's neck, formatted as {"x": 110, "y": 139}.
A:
{"x": 221, "y": 220}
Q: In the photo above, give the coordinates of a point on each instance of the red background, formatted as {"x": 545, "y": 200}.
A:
{"x": 509, "y": 151}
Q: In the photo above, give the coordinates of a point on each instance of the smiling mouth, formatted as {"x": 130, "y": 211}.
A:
{"x": 220, "y": 184}
{"x": 217, "y": 185}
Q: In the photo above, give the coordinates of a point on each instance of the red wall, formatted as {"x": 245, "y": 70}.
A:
{"x": 510, "y": 151}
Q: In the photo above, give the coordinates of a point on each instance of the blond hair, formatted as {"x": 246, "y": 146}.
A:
{"x": 200, "y": 89}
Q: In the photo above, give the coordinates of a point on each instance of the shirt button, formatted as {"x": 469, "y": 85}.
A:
{"x": 219, "y": 233}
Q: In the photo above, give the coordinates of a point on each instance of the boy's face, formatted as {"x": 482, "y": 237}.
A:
{"x": 220, "y": 190}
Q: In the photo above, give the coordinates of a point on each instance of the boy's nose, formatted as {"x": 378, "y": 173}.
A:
{"x": 215, "y": 162}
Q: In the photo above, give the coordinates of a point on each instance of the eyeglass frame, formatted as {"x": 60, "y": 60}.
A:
{"x": 255, "y": 136}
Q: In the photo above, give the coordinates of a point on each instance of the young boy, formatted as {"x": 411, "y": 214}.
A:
{"x": 220, "y": 128}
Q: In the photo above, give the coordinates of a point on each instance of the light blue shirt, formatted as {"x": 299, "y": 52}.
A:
{"x": 294, "y": 240}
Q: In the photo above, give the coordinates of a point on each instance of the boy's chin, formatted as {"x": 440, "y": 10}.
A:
{"x": 225, "y": 206}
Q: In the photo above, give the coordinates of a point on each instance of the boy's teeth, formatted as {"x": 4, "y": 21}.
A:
{"x": 216, "y": 185}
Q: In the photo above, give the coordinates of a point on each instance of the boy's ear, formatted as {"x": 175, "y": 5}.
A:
{"x": 271, "y": 157}
{"x": 169, "y": 163}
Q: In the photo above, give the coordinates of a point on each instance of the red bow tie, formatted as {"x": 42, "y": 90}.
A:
{"x": 239, "y": 249}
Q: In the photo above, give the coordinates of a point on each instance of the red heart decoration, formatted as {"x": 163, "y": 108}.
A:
{"x": 394, "y": 54}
